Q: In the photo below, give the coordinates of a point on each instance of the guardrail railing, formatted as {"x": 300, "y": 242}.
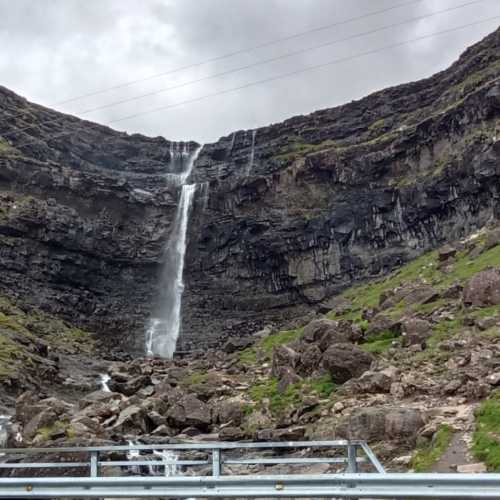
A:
{"x": 218, "y": 455}
{"x": 221, "y": 476}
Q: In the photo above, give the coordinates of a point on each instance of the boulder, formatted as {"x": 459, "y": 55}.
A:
{"x": 325, "y": 332}
{"x": 44, "y": 418}
{"x": 229, "y": 412}
{"x": 287, "y": 377}
{"x": 310, "y": 359}
{"x": 395, "y": 424}
{"x": 446, "y": 252}
{"x": 415, "y": 331}
{"x": 231, "y": 434}
{"x": 283, "y": 357}
{"x": 98, "y": 397}
{"x": 370, "y": 382}
{"x": 189, "y": 411}
{"x": 130, "y": 386}
{"x": 131, "y": 420}
{"x": 234, "y": 344}
{"x": 483, "y": 289}
{"x": 381, "y": 323}
{"x": 345, "y": 361}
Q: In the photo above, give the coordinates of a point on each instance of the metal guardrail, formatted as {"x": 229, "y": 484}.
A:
{"x": 371, "y": 485}
{"x": 351, "y": 455}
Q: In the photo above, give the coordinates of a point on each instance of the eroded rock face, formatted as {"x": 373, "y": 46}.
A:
{"x": 317, "y": 203}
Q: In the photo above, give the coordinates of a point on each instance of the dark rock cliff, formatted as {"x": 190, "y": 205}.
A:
{"x": 341, "y": 195}
{"x": 84, "y": 213}
{"x": 318, "y": 202}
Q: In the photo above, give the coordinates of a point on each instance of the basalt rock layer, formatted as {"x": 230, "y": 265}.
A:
{"x": 299, "y": 210}
{"x": 285, "y": 216}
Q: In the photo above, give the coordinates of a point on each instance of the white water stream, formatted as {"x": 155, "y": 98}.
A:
{"x": 252, "y": 154}
{"x": 104, "y": 378}
{"x": 163, "y": 329}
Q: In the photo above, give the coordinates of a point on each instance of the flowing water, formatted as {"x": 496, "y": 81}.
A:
{"x": 104, "y": 378}
{"x": 252, "y": 154}
{"x": 163, "y": 329}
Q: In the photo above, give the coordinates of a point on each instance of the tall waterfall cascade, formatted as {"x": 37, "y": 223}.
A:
{"x": 164, "y": 328}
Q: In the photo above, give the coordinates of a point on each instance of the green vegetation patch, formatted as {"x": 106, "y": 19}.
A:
{"x": 266, "y": 345}
{"x": 427, "y": 456}
{"x": 486, "y": 442}
{"x": 20, "y": 329}
{"x": 195, "y": 378}
{"x": 377, "y": 343}
{"x": 266, "y": 393}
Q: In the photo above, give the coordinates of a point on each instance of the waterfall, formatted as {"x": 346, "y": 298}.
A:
{"x": 163, "y": 330}
{"x": 252, "y": 154}
{"x": 104, "y": 378}
{"x": 4, "y": 431}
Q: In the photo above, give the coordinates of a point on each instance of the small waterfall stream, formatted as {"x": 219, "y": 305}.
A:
{"x": 252, "y": 154}
{"x": 163, "y": 330}
{"x": 104, "y": 378}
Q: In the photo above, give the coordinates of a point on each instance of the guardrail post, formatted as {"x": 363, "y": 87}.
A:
{"x": 94, "y": 463}
{"x": 216, "y": 463}
{"x": 352, "y": 464}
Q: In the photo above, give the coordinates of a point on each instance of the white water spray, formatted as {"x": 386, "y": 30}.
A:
{"x": 104, "y": 378}
{"x": 252, "y": 154}
{"x": 163, "y": 330}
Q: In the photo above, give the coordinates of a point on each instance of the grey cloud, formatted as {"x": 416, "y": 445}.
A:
{"x": 56, "y": 49}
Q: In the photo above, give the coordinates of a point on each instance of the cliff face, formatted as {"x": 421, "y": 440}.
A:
{"x": 341, "y": 195}
{"x": 83, "y": 217}
{"x": 317, "y": 202}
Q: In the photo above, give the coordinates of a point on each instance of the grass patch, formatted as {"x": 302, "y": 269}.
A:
{"x": 266, "y": 345}
{"x": 486, "y": 442}
{"x": 378, "y": 343}
{"x": 194, "y": 378}
{"x": 426, "y": 456}
{"x": 265, "y": 393}
{"x": 323, "y": 386}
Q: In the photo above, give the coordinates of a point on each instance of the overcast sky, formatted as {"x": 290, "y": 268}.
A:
{"x": 53, "y": 50}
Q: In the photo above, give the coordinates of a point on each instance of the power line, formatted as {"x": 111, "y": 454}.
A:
{"x": 278, "y": 77}
{"x": 237, "y": 52}
{"x": 248, "y": 66}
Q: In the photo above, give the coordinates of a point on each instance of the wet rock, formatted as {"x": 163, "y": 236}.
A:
{"x": 345, "y": 361}
{"x": 483, "y": 289}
